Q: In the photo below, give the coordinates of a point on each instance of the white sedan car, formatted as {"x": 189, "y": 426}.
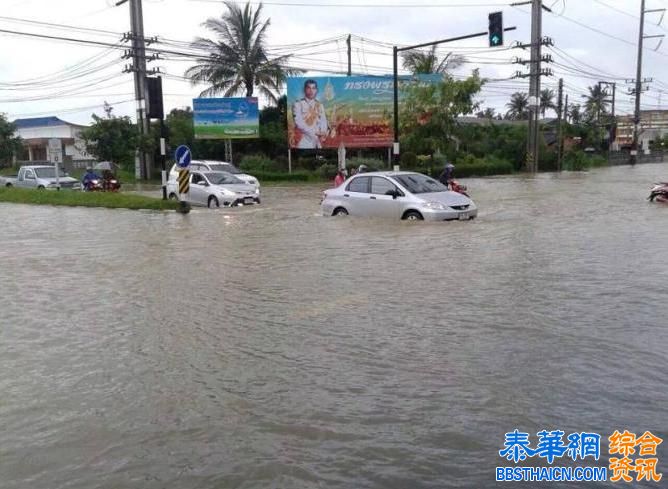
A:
{"x": 216, "y": 189}
{"x": 397, "y": 195}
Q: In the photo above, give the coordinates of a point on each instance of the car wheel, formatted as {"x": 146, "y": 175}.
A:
{"x": 257, "y": 200}
{"x": 41, "y": 187}
{"x": 340, "y": 211}
{"x": 8, "y": 185}
{"x": 173, "y": 196}
{"x": 213, "y": 202}
{"x": 413, "y": 216}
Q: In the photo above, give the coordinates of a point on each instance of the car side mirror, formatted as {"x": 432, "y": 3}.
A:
{"x": 394, "y": 193}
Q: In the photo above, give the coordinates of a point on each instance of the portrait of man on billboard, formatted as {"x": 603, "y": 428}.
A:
{"x": 311, "y": 127}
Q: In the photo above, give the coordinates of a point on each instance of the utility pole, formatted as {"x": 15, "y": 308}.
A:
{"x": 566, "y": 109}
{"x": 613, "y": 121}
{"x": 348, "y": 42}
{"x": 636, "y": 114}
{"x": 142, "y": 160}
{"x": 639, "y": 81}
{"x": 559, "y": 118}
{"x": 534, "y": 85}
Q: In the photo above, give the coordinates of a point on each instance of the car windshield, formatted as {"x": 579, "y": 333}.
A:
{"x": 226, "y": 167}
{"x": 49, "y": 173}
{"x": 222, "y": 178}
{"x": 417, "y": 183}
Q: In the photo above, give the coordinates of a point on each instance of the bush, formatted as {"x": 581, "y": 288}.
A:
{"x": 327, "y": 171}
{"x": 258, "y": 163}
{"x": 470, "y": 166}
{"x": 409, "y": 160}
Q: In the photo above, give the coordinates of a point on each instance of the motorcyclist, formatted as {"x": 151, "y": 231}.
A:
{"x": 447, "y": 174}
{"x": 88, "y": 178}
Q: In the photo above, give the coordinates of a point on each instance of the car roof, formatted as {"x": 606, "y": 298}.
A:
{"x": 387, "y": 173}
{"x": 211, "y": 162}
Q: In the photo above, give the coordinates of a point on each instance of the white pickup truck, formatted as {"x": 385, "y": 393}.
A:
{"x": 40, "y": 177}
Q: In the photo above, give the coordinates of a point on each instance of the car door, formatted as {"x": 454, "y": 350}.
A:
{"x": 356, "y": 196}
{"x": 380, "y": 203}
{"x": 198, "y": 189}
{"x": 29, "y": 179}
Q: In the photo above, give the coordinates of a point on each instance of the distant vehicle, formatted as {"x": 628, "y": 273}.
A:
{"x": 397, "y": 195}
{"x": 212, "y": 165}
{"x": 216, "y": 189}
{"x": 40, "y": 177}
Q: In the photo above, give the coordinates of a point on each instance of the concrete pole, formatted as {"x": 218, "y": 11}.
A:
{"x": 636, "y": 115}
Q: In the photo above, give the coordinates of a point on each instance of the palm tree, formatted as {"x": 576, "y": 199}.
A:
{"x": 596, "y": 103}
{"x": 518, "y": 107}
{"x": 546, "y": 101}
{"x": 421, "y": 63}
{"x": 238, "y": 59}
{"x": 575, "y": 113}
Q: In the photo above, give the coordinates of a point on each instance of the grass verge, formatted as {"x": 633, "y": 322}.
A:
{"x": 70, "y": 198}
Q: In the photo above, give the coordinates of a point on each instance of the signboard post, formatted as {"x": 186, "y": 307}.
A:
{"x": 183, "y": 155}
{"x": 55, "y": 153}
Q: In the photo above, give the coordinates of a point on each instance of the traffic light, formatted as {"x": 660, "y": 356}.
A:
{"x": 495, "y": 29}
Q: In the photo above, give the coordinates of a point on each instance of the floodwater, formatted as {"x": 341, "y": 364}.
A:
{"x": 269, "y": 347}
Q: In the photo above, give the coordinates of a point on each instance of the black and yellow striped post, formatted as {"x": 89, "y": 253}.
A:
{"x": 184, "y": 188}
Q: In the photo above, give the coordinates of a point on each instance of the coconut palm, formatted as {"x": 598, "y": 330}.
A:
{"x": 238, "y": 59}
{"x": 547, "y": 101}
{"x": 518, "y": 107}
{"x": 596, "y": 103}
{"x": 575, "y": 113}
{"x": 421, "y": 63}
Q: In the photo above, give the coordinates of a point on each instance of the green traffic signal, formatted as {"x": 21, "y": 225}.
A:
{"x": 496, "y": 29}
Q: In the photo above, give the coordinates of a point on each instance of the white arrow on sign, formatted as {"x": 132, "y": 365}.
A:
{"x": 183, "y": 158}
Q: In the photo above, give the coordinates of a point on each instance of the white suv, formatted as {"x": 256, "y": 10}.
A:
{"x": 212, "y": 165}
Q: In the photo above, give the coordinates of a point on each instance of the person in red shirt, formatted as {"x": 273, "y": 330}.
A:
{"x": 339, "y": 178}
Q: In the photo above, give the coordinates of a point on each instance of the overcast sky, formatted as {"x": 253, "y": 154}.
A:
{"x": 593, "y": 40}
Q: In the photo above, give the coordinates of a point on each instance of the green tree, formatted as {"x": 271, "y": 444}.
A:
{"x": 428, "y": 112}
{"x": 547, "y": 101}
{"x": 238, "y": 60}
{"x": 179, "y": 123}
{"x": 518, "y": 107}
{"x": 114, "y": 139}
{"x": 596, "y": 103}
{"x": 421, "y": 63}
{"x": 575, "y": 113}
{"x": 9, "y": 144}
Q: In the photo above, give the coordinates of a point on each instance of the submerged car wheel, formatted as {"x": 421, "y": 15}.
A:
{"x": 413, "y": 216}
{"x": 340, "y": 211}
{"x": 173, "y": 196}
{"x": 41, "y": 187}
{"x": 213, "y": 202}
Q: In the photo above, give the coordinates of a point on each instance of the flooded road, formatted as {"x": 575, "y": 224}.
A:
{"x": 269, "y": 347}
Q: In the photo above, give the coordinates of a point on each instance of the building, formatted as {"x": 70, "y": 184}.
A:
{"x": 653, "y": 126}
{"x": 52, "y": 139}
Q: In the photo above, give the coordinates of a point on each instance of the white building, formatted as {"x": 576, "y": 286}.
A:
{"x": 54, "y": 140}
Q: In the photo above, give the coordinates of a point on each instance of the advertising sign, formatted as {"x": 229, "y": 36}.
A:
{"x": 226, "y": 118}
{"x": 356, "y": 111}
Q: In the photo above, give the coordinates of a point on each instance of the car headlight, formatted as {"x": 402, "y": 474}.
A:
{"x": 52, "y": 185}
{"x": 437, "y": 206}
{"x": 226, "y": 193}
{"x": 252, "y": 182}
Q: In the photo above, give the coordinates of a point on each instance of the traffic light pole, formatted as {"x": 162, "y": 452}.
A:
{"x": 395, "y": 52}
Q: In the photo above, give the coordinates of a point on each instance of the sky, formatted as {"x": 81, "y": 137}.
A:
{"x": 594, "y": 40}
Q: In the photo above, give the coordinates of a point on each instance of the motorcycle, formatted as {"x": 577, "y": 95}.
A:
{"x": 92, "y": 186}
{"x": 111, "y": 185}
{"x": 659, "y": 193}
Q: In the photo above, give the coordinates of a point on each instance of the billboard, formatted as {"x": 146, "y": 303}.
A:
{"x": 326, "y": 111}
{"x": 226, "y": 118}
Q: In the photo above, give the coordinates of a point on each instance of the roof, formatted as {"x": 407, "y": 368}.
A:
{"x": 42, "y": 122}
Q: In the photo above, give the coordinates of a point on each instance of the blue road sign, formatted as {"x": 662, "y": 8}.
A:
{"x": 183, "y": 155}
